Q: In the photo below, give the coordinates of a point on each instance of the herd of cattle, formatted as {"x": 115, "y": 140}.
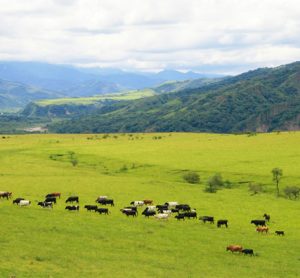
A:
{"x": 163, "y": 211}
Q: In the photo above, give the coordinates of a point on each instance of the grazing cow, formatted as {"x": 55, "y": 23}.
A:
{"x": 262, "y": 229}
{"x": 129, "y": 212}
{"x": 167, "y": 211}
{"x": 106, "y": 202}
{"x": 161, "y": 207}
{"x": 171, "y": 204}
{"x": 102, "y": 210}
{"x": 45, "y": 204}
{"x": 222, "y": 222}
{"x": 90, "y": 207}
{"x": 180, "y": 216}
{"x": 234, "y": 248}
{"x": 24, "y": 203}
{"x": 279, "y": 233}
{"x": 267, "y": 217}
{"x": 148, "y": 213}
{"x": 190, "y": 214}
{"x": 137, "y": 203}
{"x": 148, "y": 202}
{"x": 73, "y": 199}
{"x": 51, "y": 199}
{"x": 259, "y": 222}
{"x": 72, "y": 208}
{"x": 163, "y": 216}
{"x": 175, "y": 210}
{"x": 207, "y": 219}
{"x": 54, "y": 194}
{"x": 17, "y": 201}
{"x": 183, "y": 207}
{"x": 248, "y": 252}
{"x": 150, "y": 208}
{"x": 5, "y": 194}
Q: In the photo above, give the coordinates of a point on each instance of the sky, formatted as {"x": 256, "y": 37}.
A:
{"x": 212, "y": 36}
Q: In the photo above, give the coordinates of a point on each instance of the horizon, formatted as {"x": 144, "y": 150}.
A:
{"x": 215, "y": 37}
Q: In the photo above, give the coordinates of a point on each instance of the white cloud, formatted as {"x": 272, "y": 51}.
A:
{"x": 213, "y": 35}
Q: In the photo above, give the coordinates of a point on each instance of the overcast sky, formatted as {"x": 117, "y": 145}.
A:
{"x": 221, "y": 36}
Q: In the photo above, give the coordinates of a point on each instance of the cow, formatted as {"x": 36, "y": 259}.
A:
{"x": 137, "y": 203}
{"x": 234, "y": 248}
{"x": 102, "y": 198}
{"x": 171, "y": 204}
{"x": 190, "y": 214}
{"x": 148, "y": 202}
{"x": 54, "y": 194}
{"x": 90, "y": 207}
{"x": 222, "y": 222}
{"x": 72, "y": 208}
{"x": 175, "y": 210}
{"x": 5, "y": 194}
{"x": 262, "y": 229}
{"x": 167, "y": 211}
{"x": 267, "y": 217}
{"x": 163, "y": 216}
{"x": 180, "y": 216}
{"x": 102, "y": 210}
{"x": 24, "y": 203}
{"x": 183, "y": 207}
{"x": 248, "y": 252}
{"x": 73, "y": 199}
{"x": 106, "y": 202}
{"x": 150, "y": 208}
{"x": 161, "y": 207}
{"x": 279, "y": 233}
{"x": 129, "y": 212}
{"x": 258, "y": 222}
{"x": 45, "y": 204}
{"x": 148, "y": 213}
{"x": 17, "y": 200}
{"x": 51, "y": 199}
{"x": 207, "y": 219}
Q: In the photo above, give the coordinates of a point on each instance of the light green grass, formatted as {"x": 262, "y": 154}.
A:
{"x": 38, "y": 242}
{"x": 127, "y": 95}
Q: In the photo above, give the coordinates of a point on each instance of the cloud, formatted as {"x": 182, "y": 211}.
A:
{"x": 226, "y": 36}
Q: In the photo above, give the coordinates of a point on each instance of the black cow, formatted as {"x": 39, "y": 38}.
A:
{"x": 222, "y": 222}
{"x": 248, "y": 252}
{"x": 259, "y": 222}
{"x": 129, "y": 212}
{"x": 102, "y": 210}
{"x": 160, "y": 208}
{"x": 180, "y": 216}
{"x": 105, "y": 202}
{"x": 45, "y": 204}
{"x": 207, "y": 219}
{"x": 183, "y": 207}
{"x": 190, "y": 214}
{"x": 50, "y": 199}
{"x": 174, "y": 210}
{"x": 72, "y": 208}
{"x": 279, "y": 233}
{"x": 148, "y": 213}
{"x": 267, "y": 217}
{"x": 73, "y": 199}
{"x": 17, "y": 200}
{"x": 90, "y": 207}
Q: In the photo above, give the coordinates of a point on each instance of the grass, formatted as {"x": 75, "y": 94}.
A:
{"x": 38, "y": 242}
{"x": 127, "y": 95}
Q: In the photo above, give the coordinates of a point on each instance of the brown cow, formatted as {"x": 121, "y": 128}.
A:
{"x": 148, "y": 202}
{"x": 5, "y": 194}
{"x": 234, "y": 248}
{"x": 262, "y": 229}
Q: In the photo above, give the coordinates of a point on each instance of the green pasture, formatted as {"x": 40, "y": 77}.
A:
{"x": 38, "y": 242}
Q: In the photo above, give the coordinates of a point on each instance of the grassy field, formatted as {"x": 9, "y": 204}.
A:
{"x": 38, "y": 242}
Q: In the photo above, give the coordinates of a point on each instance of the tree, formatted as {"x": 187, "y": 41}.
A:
{"x": 214, "y": 182}
{"x": 191, "y": 177}
{"x": 277, "y": 174}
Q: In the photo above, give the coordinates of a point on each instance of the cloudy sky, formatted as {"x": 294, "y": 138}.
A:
{"x": 221, "y": 36}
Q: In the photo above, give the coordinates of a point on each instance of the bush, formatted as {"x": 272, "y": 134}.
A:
{"x": 192, "y": 177}
{"x": 214, "y": 182}
{"x": 292, "y": 191}
{"x": 255, "y": 188}
{"x": 74, "y": 162}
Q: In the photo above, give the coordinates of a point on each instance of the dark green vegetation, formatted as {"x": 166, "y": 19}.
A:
{"x": 261, "y": 100}
{"x": 38, "y": 242}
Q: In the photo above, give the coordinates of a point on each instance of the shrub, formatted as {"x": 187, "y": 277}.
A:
{"x": 255, "y": 188}
{"x": 292, "y": 191}
{"x": 74, "y": 162}
{"x": 191, "y": 177}
{"x": 214, "y": 182}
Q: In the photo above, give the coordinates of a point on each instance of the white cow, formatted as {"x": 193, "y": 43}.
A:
{"x": 24, "y": 203}
{"x": 171, "y": 204}
{"x": 137, "y": 203}
{"x": 151, "y": 208}
{"x": 162, "y": 216}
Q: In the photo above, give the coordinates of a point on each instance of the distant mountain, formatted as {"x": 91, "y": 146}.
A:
{"x": 261, "y": 100}
{"x": 14, "y": 96}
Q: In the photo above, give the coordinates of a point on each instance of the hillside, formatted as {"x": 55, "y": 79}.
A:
{"x": 254, "y": 101}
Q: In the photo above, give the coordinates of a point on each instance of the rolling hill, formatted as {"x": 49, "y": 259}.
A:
{"x": 260, "y": 100}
